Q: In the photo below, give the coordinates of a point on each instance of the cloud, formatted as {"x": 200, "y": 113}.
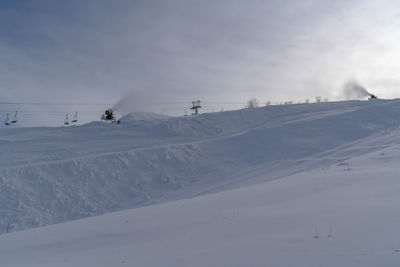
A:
{"x": 177, "y": 51}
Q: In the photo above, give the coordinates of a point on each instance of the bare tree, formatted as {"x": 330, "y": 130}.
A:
{"x": 252, "y": 103}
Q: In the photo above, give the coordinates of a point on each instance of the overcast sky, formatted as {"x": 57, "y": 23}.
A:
{"x": 176, "y": 51}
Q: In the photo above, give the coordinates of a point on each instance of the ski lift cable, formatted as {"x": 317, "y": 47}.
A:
{"x": 55, "y": 104}
{"x": 111, "y": 104}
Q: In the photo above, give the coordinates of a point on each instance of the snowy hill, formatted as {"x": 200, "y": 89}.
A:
{"x": 342, "y": 215}
{"x": 53, "y": 175}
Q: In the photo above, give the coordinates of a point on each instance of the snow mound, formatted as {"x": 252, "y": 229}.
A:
{"x": 344, "y": 215}
{"x": 147, "y": 117}
{"x": 53, "y": 175}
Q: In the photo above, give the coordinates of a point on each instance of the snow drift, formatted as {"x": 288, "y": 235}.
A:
{"x": 53, "y": 175}
{"x": 344, "y": 214}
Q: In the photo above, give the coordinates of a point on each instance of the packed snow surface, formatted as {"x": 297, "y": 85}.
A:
{"x": 53, "y": 175}
{"x": 294, "y": 185}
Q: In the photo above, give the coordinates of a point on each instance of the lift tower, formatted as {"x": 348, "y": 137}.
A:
{"x": 195, "y": 107}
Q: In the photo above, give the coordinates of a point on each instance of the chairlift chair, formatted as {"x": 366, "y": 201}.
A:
{"x": 66, "y": 121}
{"x": 7, "y": 121}
{"x": 75, "y": 118}
{"x": 15, "y": 119}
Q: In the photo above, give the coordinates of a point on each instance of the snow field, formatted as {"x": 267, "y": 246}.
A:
{"x": 53, "y": 175}
{"x": 342, "y": 215}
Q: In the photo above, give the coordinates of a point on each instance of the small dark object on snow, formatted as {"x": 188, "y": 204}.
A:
{"x": 372, "y": 96}
{"x": 109, "y": 116}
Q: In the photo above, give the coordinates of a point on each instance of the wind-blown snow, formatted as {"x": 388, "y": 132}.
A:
{"x": 53, "y": 175}
{"x": 353, "y": 90}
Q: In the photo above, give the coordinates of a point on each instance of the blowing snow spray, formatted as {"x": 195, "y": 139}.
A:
{"x": 353, "y": 90}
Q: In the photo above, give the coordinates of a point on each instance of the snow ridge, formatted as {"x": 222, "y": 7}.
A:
{"x": 53, "y": 175}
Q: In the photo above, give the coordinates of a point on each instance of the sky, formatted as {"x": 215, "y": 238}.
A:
{"x": 163, "y": 54}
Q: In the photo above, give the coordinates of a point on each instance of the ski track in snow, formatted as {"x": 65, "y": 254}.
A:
{"x": 307, "y": 117}
{"x": 344, "y": 215}
{"x": 103, "y": 168}
{"x": 299, "y": 185}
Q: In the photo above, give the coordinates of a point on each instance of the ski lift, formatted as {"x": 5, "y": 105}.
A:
{"x": 15, "y": 119}
{"x": 7, "y": 121}
{"x": 66, "y": 121}
{"x": 75, "y": 118}
{"x": 195, "y": 107}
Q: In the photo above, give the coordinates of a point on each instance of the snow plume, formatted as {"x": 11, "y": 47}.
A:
{"x": 353, "y": 90}
{"x": 132, "y": 102}
{"x": 149, "y": 100}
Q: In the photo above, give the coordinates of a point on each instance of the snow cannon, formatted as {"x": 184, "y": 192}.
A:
{"x": 372, "y": 96}
{"x": 109, "y": 116}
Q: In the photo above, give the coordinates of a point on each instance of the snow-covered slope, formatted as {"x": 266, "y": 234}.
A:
{"x": 346, "y": 214}
{"x": 52, "y": 175}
